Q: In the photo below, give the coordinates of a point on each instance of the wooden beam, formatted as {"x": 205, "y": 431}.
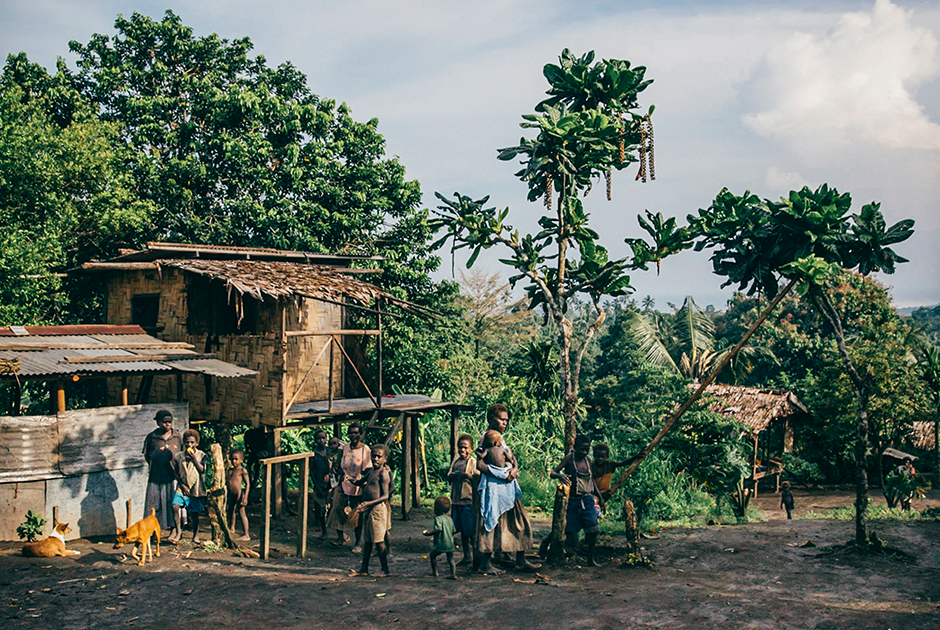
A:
{"x": 60, "y": 395}
{"x": 454, "y": 433}
{"x": 356, "y": 370}
{"x": 304, "y": 379}
{"x": 326, "y": 333}
{"x": 84, "y": 345}
{"x": 278, "y": 475}
{"x": 415, "y": 475}
{"x": 128, "y": 520}
{"x": 329, "y": 388}
{"x": 124, "y": 390}
{"x": 304, "y": 508}
{"x": 266, "y": 514}
{"x": 406, "y": 466}
{"x": 395, "y": 429}
{"x": 133, "y": 358}
{"x": 378, "y": 350}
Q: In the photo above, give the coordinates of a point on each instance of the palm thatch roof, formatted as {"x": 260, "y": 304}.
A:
{"x": 922, "y": 436}
{"x": 755, "y": 408}
{"x": 281, "y": 279}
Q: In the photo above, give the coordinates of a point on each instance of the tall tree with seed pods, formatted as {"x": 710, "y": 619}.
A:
{"x": 588, "y": 127}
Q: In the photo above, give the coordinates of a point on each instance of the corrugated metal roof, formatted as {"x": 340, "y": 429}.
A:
{"x": 61, "y": 355}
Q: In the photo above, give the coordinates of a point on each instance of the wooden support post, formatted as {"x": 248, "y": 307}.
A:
{"x": 378, "y": 352}
{"x": 329, "y": 404}
{"x": 454, "y": 432}
{"x": 338, "y": 430}
{"x": 55, "y": 515}
{"x": 278, "y": 475}
{"x": 17, "y": 397}
{"x": 124, "y": 390}
{"x": 406, "y": 466}
{"x": 304, "y": 508}
{"x": 129, "y": 509}
{"x": 415, "y": 475}
{"x": 754, "y": 467}
{"x": 179, "y": 387}
{"x": 266, "y": 514}
{"x": 60, "y": 396}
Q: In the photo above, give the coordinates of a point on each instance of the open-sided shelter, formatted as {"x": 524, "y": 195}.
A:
{"x": 766, "y": 412}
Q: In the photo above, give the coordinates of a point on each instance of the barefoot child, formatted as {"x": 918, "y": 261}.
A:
{"x": 443, "y": 532}
{"x": 786, "y": 499}
{"x": 375, "y": 513}
{"x": 603, "y": 469}
{"x": 321, "y": 479}
{"x": 190, "y": 467}
{"x": 463, "y": 474}
{"x": 238, "y": 484}
{"x": 583, "y": 511}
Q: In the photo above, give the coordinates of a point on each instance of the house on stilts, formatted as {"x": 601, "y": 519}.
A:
{"x": 307, "y": 323}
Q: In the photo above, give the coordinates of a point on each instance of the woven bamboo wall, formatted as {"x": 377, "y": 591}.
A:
{"x": 306, "y": 314}
{"x": 236, "y": 400}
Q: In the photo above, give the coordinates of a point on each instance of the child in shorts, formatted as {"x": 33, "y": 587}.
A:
{"x": 584, "y": 500}
{"x": 462, "y": 475}
{"x": 443, "y": 533}
{"x": 190, "y": 468}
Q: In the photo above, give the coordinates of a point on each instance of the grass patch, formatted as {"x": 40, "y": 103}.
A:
{"x": 874, "y": 512}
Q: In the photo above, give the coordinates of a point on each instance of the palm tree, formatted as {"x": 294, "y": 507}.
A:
{"x": 685, "y": 342}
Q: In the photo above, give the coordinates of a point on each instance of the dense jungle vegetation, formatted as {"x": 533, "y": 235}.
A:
{"x": 162, "y": 135}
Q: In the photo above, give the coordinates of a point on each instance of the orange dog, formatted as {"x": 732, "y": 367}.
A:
{"x": 139, "y": 533}
{"x": 52, "y": 546}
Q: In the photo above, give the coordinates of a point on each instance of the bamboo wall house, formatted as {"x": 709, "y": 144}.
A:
{"x": 284, "y": 314}
{"x": 83, "y": 465}
{"x": 762, "y": 411}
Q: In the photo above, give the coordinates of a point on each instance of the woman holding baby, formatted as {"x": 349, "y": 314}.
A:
{"x": 501, "y": 523}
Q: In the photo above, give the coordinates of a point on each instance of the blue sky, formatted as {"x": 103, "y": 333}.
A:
{"x": 765, "y": 96}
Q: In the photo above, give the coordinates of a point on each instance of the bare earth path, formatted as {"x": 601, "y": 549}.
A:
{"x": 742, "y": 576}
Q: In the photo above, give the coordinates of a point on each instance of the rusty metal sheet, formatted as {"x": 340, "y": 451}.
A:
{"x": 211, "y": 367}
{"x": 28, "y": 448}
{"x": 109, "y": 438}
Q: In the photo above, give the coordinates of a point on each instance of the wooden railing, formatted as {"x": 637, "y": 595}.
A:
{"x": 268, "y": 463}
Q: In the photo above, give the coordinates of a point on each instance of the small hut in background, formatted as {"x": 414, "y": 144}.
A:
{"x": 765, "y": 413}
{"x": 295, "y": 318}
{"x": 87, "y": 462}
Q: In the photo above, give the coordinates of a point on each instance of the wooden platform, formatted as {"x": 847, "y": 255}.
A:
{"x": 391, "y": 405}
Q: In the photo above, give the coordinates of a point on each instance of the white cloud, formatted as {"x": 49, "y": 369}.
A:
{"x": 782, "y": 182}
{"x": 854, "y": 83}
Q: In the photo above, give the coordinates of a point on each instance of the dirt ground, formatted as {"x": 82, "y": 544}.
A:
{"x": 725, "y": 576}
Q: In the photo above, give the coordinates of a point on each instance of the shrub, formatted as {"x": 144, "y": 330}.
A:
{"x": 31, "y": 528}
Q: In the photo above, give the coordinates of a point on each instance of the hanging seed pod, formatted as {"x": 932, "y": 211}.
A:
{"x": 590, "y": 185}
{"x": 641, "y": 174}
{"x": 622, "y": 155}
{"x": 607, "y": 174}
{"x": 652, "y": 162}
{"x": 548, "y": 193}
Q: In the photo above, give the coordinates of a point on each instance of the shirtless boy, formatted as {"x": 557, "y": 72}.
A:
{"x": 375, "y": 513}
{"x": 238, "y": 484}
{"x": 603, "y": 468}
{"x": 583, "y": 507}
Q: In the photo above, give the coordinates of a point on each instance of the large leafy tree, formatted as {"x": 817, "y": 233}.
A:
{"x": 810, "y": 238}
{"x": 65, "y": 196}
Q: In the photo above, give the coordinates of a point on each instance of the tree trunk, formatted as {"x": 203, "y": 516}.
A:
{"x": 554, "y": 550}
{"x": 632, "y": 530}
{"x": 828, "y": 311}
{"x": 216, "y": 500}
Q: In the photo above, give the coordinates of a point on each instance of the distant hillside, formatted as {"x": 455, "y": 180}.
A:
{"x": 928, "y": 317}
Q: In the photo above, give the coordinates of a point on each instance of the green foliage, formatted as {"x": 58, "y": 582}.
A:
{"x": 31, "y": 528}
{"x": 901, "y": 489}
{"x": 798, "y": 468}
{"x": 874, "y": 511}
